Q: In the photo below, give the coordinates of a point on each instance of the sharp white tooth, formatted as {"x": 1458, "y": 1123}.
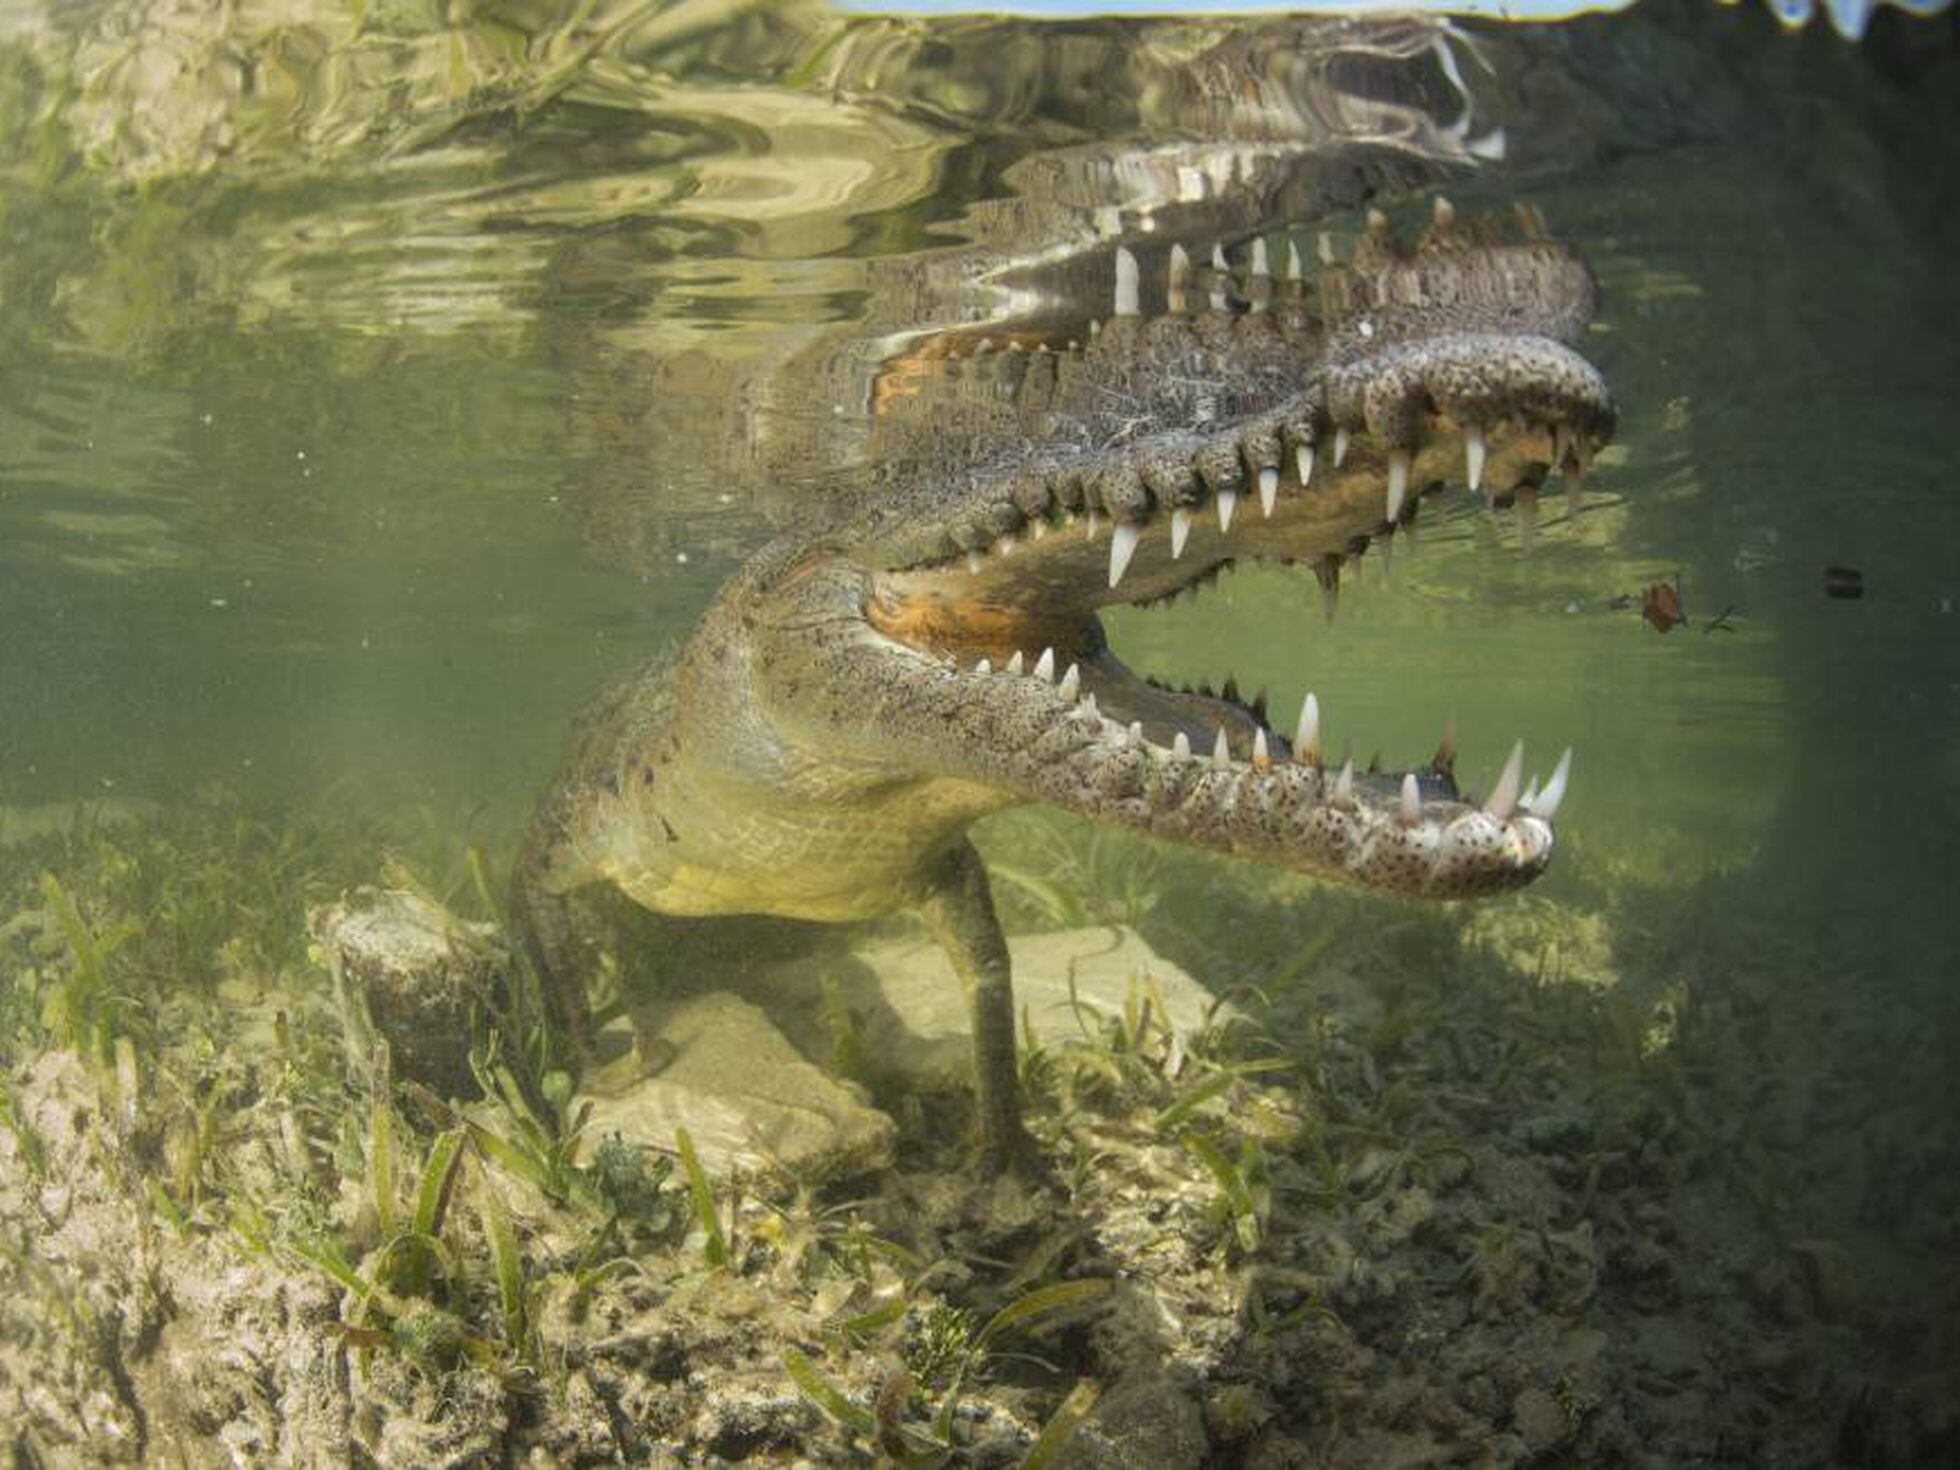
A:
{"x": 1006, "y": 546}
{"x": 1306, "y": 738}
{"x": 1181, "y": 746}
{"x": 1474, "y": 449}
{"x": 1411, "y": 799}
{"x": 1268, "y": 491}
{"x": 1126, "y": 283}
{"x": 1325, "y": 245}
{"x": 1228, "y": 501}
{"x": 1123, "y": 546}
{"x": 1504, "y": 796}
{"x": 1344, "y": 783}
{"x": 1088, "y": 707}
{"x": 1180, "y": 274}
{"x": 1218, "y": 257}
{"x": 1260, "y": 265}
{"x": 1040, "y": 529}
{"x": 985, "y": 666}
{"x": 1398, "y": 482}
{"x": 1180, "y": 532}
{"x": 1092, "y": 523}
{"x": 1044, "y": 667}
{"x": 1017, "y": 665}
{"x": 973, "y": 562}
{"x": 1136, "y": 732}
{"x": 1071, "y": 684}
{"x": 1221, "y": 751}
{"x": 1340, "y": 446}
{"x": 1303, "y": 457}
{"x": 1294, "y": 270}
{"x": 1548, "y": 800}
{"x": 1262, "y": 755}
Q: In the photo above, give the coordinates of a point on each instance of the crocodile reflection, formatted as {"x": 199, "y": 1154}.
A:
{"x": 869, "y": 685}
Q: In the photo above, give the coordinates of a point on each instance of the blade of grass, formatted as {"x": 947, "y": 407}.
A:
{"x": 866, "y": 1323}
{"x": 715, "y": 1250}
{"x": 819, "y": 1390}
{"x": 1021, "y": 1310}
{"x": 1219, "y": 1082}
{"x": 1062, "y": 1424}
{"x": 438, "y": 1181}
{"x": 1040, "y": 1303}
{"x": 505, "y": 1260}
{"x": 381, "y": 1143}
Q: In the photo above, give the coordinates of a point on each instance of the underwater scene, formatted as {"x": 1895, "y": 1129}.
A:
{"x": 742, "y": 733}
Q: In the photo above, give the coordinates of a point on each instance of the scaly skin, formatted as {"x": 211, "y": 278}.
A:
{"x": 861, "y": 692}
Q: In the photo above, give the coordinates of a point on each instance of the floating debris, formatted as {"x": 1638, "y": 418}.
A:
{"x": 1660, "y": 605}
{"x": 1846, "y": 583}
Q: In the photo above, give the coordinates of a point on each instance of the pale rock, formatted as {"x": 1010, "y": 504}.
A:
{"x": 911, "y": 1009}
{"x": 746, "y": 1097}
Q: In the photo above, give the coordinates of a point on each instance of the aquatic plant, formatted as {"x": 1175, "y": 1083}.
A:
{"x": 810, "y": 1240}
{"x": 539, "y": 1147}
{"x": 33, "y": 1153}
{"x": 507, "y": 1266}
{"x": 714, "y": 1243}
{"x": 1244, "y": 1200}
{"x": 950, "y": 1353}
{"x": 85, "y": 1008}
{"x": 631, "y": 1179}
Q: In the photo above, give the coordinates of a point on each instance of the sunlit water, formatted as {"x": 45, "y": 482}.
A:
{"x": 357, "y": 422}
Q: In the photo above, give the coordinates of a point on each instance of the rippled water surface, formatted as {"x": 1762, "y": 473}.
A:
{"x": 370, "y": 392}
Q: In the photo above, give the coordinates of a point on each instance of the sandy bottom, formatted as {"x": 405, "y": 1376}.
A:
{"x": 1438, "y": 1199}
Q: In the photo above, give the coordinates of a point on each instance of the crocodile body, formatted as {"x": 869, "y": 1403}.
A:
{"x": 929, "y": 651}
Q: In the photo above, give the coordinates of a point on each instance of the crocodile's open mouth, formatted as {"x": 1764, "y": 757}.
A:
{"x": 1446, "y": 365}
{"x": 1026, "y": 607}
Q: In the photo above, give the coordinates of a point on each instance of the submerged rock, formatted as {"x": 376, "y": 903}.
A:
{"x": 408, "y": 971}
{"x": 747, "y": 1098}
{"x": 737, "y": 1071}
{"x": 909, "y": 1008}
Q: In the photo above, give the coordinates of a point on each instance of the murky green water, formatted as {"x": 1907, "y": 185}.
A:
{"x": 369, "y": 394}
{"x": 317, "y": 387}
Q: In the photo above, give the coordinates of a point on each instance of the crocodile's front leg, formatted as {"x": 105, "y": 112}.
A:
{"x": 959, "y": 909}
{"x": 547, "y": 923}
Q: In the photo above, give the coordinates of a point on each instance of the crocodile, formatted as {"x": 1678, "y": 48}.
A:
{"x": 930, "y": 650}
